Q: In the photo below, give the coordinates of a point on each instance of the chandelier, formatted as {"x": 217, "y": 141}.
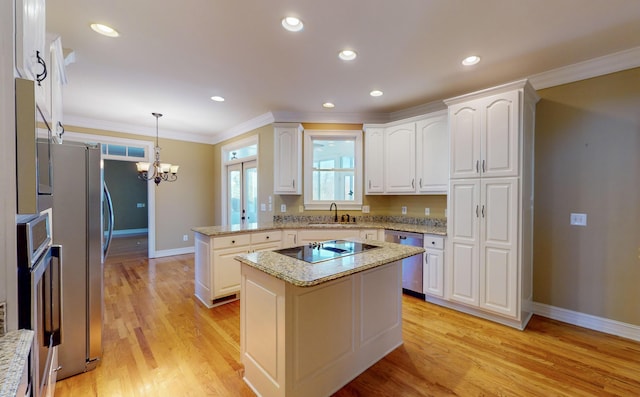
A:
{"x": 160, "y": 171}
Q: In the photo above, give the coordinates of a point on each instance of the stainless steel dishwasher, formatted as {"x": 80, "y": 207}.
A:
{"x": 412, "y": 266}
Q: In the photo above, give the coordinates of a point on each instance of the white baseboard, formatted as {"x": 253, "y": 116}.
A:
{"x": 130, "y": 232}
{"x": 595, "y": 323}
{"x": 172, "y": 252}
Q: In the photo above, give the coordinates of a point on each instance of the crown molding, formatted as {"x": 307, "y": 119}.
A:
{"x": 330, "y": 117}
{"x": 623, "y": 60}
{"x": 83, "y": 122}
{"x": 249, "y": 125}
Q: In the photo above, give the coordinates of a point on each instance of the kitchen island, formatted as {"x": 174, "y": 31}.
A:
{"x": 307, "y": 329}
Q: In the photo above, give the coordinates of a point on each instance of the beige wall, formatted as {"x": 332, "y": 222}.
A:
{"x": 588, "y": 161}
{"x": 188, "y": 202}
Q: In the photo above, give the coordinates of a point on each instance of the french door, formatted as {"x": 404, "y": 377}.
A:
{"x": 242, "y": 192}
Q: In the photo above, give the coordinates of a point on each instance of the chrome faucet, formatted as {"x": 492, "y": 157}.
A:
{"x": 335, "y": 206}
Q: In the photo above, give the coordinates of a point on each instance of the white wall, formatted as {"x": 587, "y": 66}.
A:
{"x": 8, "y": 270}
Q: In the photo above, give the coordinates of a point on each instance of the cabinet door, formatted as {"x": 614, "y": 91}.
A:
{"x": 374, "y": 160}
{"x": 316, "y": 235}
{"x": 463, "y": 235}
{"x": 500, "y": 135}
{"x": 432, "y": 155}
{"x": 289, "y": 238}
{"x": 57, "y": 80}
{"x": 226, "y": 271}
{"x": 434, "y": 273}
{"x": 400, "y": 159}
{"x": 287, "y": 160}
{"x": 499, "y": 245}
{"x": 464, "y": 140}
{"x": 369, "y": 234}
{"x": 203, "y": 268}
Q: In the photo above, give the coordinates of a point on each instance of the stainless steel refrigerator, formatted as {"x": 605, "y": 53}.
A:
{"x": 78, "y": 205}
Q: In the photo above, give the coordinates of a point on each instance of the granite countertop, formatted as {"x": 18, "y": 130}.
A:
{"x": 14, "y": 353}
{"x": 304, "y": 274}
{"x": 437, "y": 227}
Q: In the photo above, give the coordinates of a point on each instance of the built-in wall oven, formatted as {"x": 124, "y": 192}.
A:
{"x": 39, "y": 299}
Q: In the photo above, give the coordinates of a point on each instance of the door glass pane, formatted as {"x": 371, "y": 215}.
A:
{"x": 251, "y": 192}
{"x": 234, "y": 178}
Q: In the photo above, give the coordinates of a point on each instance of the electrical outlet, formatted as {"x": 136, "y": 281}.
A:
{"x": 578, "y": 219}
{"x": 301, "y": 208}
{"x": 263, "y": 207}
{"x": 427, "y": 211}
{"x": 366, "y": 209}
{"x": 404, "y": 210}
{"x": 185, "y": 237}
{"x": 283, "y": 208}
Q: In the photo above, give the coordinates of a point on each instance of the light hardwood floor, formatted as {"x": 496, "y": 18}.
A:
{"x": 159, "y": 341}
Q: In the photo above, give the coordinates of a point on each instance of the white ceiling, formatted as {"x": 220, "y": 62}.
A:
{"x": 172, "y": 56}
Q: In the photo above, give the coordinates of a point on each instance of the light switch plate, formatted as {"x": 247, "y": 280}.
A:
{"x": 283, "y": 208}
{"x": 578, "y": 219}
{"x": 427, "y": 211}
{"x": 404, "y": 210}
{"x": 263, "y": 207}
{"x": 365, "y": 209}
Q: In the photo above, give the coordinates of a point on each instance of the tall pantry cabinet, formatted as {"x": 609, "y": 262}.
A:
{"x": 490, "y": 202}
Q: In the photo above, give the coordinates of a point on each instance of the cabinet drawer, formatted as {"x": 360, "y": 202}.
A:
{"x": 265, "y": 237}
{"x": 234, "y": 240}
{"x": 436, "y": 242}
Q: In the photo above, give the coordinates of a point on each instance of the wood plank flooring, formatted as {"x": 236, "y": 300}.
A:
{"x": 159, "y": 341}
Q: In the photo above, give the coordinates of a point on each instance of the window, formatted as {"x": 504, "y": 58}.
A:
{"x": 333, "y": 169}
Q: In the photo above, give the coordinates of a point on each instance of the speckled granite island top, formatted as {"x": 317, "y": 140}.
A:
{"x": 305, "y": 274}
{"x": 213, "y": 231}
{"x": 14, "y": 352}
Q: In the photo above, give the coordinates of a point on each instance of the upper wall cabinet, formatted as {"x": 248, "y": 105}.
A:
{"x": 55, "y": 87}
{"x": 31, "y": 51}
{"x": 484, "y": 136}
{"x": 408, "y": 157}
{"x": 287, "y": 158}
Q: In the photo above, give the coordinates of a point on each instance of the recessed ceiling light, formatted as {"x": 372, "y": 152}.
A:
{"x": 471, "y": 60}
{"x": 292, "y": 24}
{"x": 328, "y": 105}
{"x": 217, "y": 98}
{"x": 376, "y": 93}
{"x": 347, "y": 55}
{"x": 104, "y": 30}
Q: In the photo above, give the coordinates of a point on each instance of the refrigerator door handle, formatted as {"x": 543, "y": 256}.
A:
{"x": 109, "y": 203}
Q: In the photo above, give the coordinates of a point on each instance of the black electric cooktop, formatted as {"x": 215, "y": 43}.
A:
{"x": 326, "y": 250}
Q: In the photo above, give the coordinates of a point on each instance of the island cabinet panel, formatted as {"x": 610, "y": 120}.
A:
{"x": 311, "y": 341}
{"x": 307, "y": 236}
{"x": 217, "y": 273}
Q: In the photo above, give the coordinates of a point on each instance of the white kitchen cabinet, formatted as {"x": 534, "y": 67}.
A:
{"x": 433, "y": 269}
{"x": 408, "y": 157}
{"x": 55, "y": 87}
{"x": 485, "y": 136}
{"x": 400, "y": 159}
{"x": 432, "y": 154}
{"x": 289, "y": 238}
{"x": 287, "y": 158}
{"x": 217, "y": 273}
{"x": 306, "y": 236}
{"x": 374, "y": 160}
{"x": 490, "y": 203}
{"x": 32, "y": 53}
{"x": 372, "y": 234}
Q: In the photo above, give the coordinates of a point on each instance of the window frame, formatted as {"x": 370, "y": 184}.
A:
{"x": 309, "y": 137}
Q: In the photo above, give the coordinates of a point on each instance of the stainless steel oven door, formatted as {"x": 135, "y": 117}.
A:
{"x": 46, "y": 319}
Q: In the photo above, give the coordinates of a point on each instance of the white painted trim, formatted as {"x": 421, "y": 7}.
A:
{"x": 86, "y": 122}
{"x": 611, "y": 63}
{"x": 330, "y": 117}
{"x": 151, "y": 191}
{"x": 520, "y": 325}
{"x": 129, "y": 232}
{"x": 589, "y": 321}
{"x": 224, "y": 163}
{"x": 249, "y": 125}
{"x": 175, "y": 251}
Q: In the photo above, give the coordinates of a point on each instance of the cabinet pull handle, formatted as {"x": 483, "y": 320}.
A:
{"x": 413, "y": 183}
{"x": 61, "y": 129}
{"x": 477, "y": 212}
{"x": 293, "y": 182}
{"x": 426, "y": 259}
{"x": 420, "y": 183}
{"x": 41, "y": 76}
{"x": 483, "y": 211}
{"x": 369, "y": 183}
{"x": 483, "y": 170}
{"x": 477, "y": 166}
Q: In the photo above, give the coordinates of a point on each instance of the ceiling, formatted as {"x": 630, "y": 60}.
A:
{"x": 172, "y": 56}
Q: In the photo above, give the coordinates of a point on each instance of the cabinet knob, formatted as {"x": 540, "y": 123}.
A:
{"x": 433, "y": 243}
{"x": 233, "y": 241}
{"x": 267, "y": 237}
